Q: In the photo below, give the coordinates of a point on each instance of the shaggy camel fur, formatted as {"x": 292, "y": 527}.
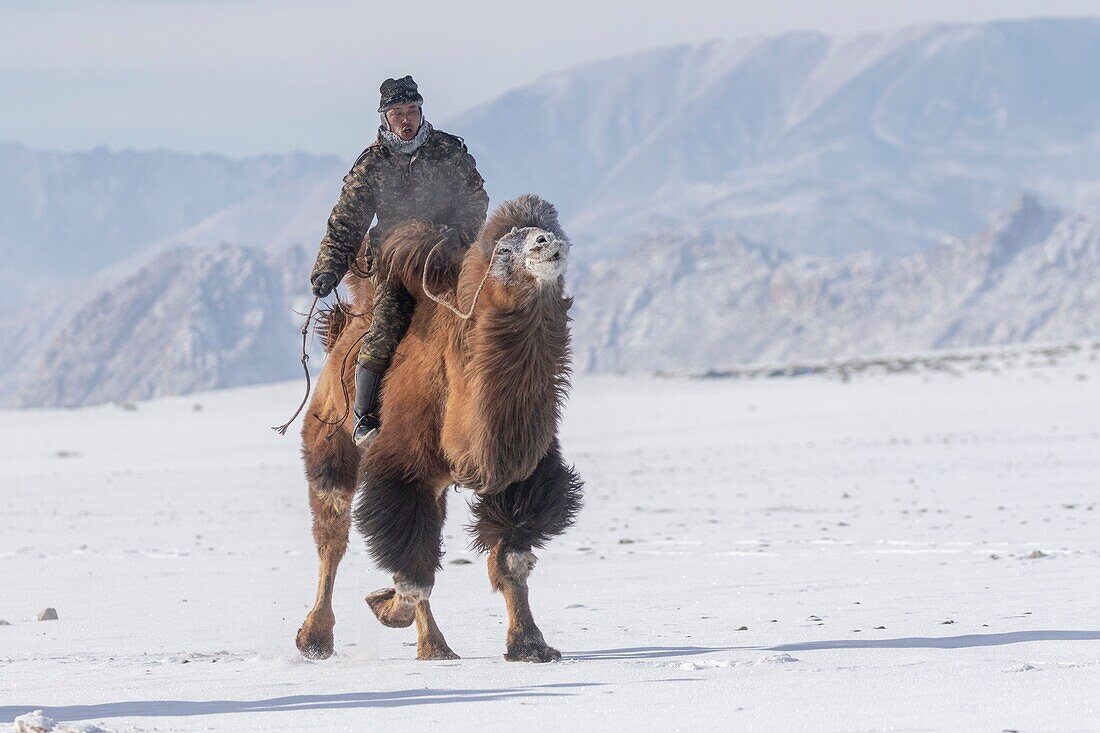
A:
{"x": 470, "y": 402}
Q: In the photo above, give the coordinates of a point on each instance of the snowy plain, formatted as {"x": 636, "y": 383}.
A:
{"x": 914, "y": 551}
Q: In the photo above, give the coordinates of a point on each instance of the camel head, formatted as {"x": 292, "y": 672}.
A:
{"x": 527, "y": 246}
{"x": 529, "y": 255}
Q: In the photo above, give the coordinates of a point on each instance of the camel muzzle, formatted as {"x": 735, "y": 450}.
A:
{"x": 545, "y": 255}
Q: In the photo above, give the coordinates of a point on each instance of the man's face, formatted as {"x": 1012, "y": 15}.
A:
{"x": 404, "y": 120}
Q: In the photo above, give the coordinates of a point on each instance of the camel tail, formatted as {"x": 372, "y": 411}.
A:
{"x": 529, "y": 513}
{"x": 330, "y": 323}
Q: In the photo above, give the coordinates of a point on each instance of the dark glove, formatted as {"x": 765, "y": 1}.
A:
{"x": 323, "y": 284}
{"x": 452, "y": 241}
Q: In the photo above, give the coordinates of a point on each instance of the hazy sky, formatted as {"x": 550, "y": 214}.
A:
{"x": 247, "y": 76}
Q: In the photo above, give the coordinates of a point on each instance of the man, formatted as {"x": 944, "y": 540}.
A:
{"x": 411, "y": 170}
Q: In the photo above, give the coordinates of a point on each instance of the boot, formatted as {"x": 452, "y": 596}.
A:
{"x": 367, "y": 382}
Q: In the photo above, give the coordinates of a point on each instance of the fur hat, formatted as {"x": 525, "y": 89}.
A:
{"x": 398, "y": 91}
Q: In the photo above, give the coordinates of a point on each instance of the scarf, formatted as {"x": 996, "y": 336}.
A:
{"x": 394, "y": 142}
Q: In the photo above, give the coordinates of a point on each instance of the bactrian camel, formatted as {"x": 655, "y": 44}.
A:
{"x": 473, "y": 402}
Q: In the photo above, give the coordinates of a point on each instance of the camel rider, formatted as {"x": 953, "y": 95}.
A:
{"x": 411, "y": 170}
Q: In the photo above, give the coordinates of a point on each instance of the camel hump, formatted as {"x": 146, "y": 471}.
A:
{"x": 527, "y": 210}
{"x": 403, "y": 253}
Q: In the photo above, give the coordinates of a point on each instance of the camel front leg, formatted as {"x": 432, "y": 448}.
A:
{"x": 508, "y": 525}
{"x": 403, "y": 524}
{"x": 508, "y": 573}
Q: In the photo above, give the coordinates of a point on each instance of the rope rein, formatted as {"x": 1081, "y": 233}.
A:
{"x": 281, "y": 429}
{"x": 477, "y": 293}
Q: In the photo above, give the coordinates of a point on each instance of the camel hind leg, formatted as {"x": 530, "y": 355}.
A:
{"x": 509, "y": 525}
{"x": 403, "y": 524}
{"x": 330, "y": 468}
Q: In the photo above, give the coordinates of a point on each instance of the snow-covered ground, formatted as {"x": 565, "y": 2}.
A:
{"x": 913, "y": 551}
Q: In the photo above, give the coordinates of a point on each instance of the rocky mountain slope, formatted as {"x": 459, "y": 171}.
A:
{"x": 191, "y": 320}
{"x": 220, "y": 317}
{"x": 703, "y": 300}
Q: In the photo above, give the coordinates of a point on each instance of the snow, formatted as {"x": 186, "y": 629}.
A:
{"x": 876, "y": 538}
{"x": 36, "y": 722}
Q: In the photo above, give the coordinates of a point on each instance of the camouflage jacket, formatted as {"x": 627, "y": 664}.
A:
{"x": 439, "y": 182}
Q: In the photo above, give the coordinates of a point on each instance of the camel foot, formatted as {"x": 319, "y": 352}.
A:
{"x": 392, "y": 609}
{"x": 314, "y": 643}
{"x": 434, "y": 652}
{"x": 531, "y": 649}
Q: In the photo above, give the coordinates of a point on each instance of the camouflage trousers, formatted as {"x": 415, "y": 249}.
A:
{"x": 393, "y": 312}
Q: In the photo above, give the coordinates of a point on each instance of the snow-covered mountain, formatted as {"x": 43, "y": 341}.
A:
{"x": 696, "y": 300}
{"x": 190, "y": 320}
{"x": 72, "y": 214}
{"x": 771, "y": 198}
{"x": 814, "y": 144}
{"x": 201, "y": 319}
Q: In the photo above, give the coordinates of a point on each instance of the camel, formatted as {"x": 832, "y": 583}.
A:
{"x": 470, "y": 401}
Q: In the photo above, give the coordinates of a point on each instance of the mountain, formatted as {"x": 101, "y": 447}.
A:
{"x": 72, "y": 214}
{"x": 810, "y": 143}
{"x": 221, "y": 317}
{"x": 190, "y": 320}
{"x": 814, "y": 144}
{"x": 699, "y": 300}
{"x": 794, "y": 196}
{"x": 26, "y": 328}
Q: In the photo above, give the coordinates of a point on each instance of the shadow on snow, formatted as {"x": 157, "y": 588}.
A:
{"x": 351, "y": 700}
{"x": 402, "y": 698}
{"x": 650, "y": 652}
{"x": 964, "y": 641}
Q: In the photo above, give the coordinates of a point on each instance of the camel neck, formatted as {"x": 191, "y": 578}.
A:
{"x": 517, "y": 367}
